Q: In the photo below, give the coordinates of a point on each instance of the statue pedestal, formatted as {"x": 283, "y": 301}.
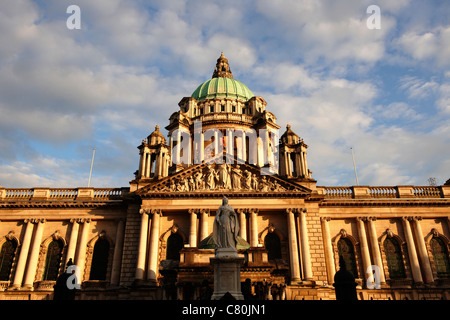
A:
{"x": 227, "y": 273}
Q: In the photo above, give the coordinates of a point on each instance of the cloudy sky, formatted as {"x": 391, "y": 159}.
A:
{"x": 383, "y": 92}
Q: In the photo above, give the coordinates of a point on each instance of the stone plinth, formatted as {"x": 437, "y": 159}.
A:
{"x": 227, "y": 273}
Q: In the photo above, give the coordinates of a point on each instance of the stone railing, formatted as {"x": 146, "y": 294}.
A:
{"x": 50, "y": 194}
{"x": 225, "y": 117}
{"x": 381, "y": 192}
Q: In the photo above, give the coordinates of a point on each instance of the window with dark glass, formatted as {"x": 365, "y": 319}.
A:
{"x": 394, "y": 259}
{"x": 174, "y": 245}
{"x": 53, "y": 260}
{"x": 100, "y": 260}
{"x": 7, "y": 254}
{"x": 346, "y": 250}
{"x": 273, "y": 246}
{"x": 441, "y": 259}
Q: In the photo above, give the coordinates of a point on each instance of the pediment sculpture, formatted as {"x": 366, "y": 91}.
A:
{"x": 221, "y": 177}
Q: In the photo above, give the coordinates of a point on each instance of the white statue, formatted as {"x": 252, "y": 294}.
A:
{"x": 226, "y": 226}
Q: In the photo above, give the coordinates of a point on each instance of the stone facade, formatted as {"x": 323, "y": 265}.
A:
{"x": 149, "y": 240}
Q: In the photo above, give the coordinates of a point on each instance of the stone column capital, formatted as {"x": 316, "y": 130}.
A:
{"x": 84, "y": 220}
{"x": 416, "y": 218}
{"x": 371, "y": 218}
{"x": 156, "y": 212}
{"x": 38, "y": 220}
{"x": 325, "y": 219}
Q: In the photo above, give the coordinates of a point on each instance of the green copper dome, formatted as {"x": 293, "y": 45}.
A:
{"x": 222, "y": 88}
{"x": 222, "y": 85}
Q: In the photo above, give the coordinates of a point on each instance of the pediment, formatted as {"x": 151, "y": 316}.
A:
{"x": 220, "y": 178}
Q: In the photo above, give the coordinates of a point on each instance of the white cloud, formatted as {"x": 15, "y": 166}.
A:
{"x": 418, "y": 88}
{"x": 396, "y": 110}
{"x": 427, "y": 44}
{"x": 335, "y": 31}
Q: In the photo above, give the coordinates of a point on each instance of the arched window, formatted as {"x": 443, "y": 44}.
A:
{"x": 7, "y": 254}
{"x": 441, "y": 259}
{"x": 273, "y": 246}
{"x": 394, "y": 259}
{"x": 174, "y": 245}
{"x": 100, "y": 260}
{"x": 345, "y": 249}
{"x": 53, "y": 260}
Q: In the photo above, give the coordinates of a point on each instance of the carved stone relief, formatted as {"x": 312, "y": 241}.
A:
{"x": 220, "y": 177}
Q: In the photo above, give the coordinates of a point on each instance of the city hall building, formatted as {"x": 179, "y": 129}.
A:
{"x": 151, "y": 239}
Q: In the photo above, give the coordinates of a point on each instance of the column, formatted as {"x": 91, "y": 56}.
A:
{"x": 230, "y": 149}
{"x": 253, "y": 227}
{"x": 305, "y": 163}
{"x": 81, "y": 254}
{"x": 415, "y": 267}
{"x": 202, "y": 147}
{"x": 423, "y": 254}
{"x": 193, "y": 228}
{"x": 286, "y": 163}
{"x": 216, "y": 143}
{"x": 160, "y": 164}
{"x": 23, "y": 254}
{"x": 32, "y": 263}
{"x": 331, "y": 268}
{"x": 299, "y": 165}
{"x": 244, "y": 147}
{"x": 154, "y": 241}
{"x": 364, "y": 246}
{"x": 293, "y": 249}
{"x": 142, "y": 251}
{"x": 187, "y": 149}
{"x": 148, "y": 164}
{"x": 72, "y": 241}
{"x": 141, "y": 164}
{"x": 242, "y": 224}
{"x": 306, "y": 256}
{"x": 204, "y": 222}
{"x": 118, "y": 248}
{"x": 376, "y": 248}
{"x": 178, "y": 146}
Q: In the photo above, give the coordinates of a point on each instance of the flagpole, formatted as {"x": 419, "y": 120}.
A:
{"x": 354, "y": 167}
{"x": 92, "y": 164}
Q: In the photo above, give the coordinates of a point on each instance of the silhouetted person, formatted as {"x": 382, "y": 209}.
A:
{"x": 61, "y": 290}
{"x": 206, "y": 291}
{"x": 247, "y": 290}
{"x": 344, "y": 283}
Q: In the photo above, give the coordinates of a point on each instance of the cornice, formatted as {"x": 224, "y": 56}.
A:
{"x": 229, "y": 194}
{"x": 385, "y": 203}
{"x": 59, "y": 204}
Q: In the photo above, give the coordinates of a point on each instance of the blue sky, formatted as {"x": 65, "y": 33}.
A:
{"x": 385, "y": 92}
